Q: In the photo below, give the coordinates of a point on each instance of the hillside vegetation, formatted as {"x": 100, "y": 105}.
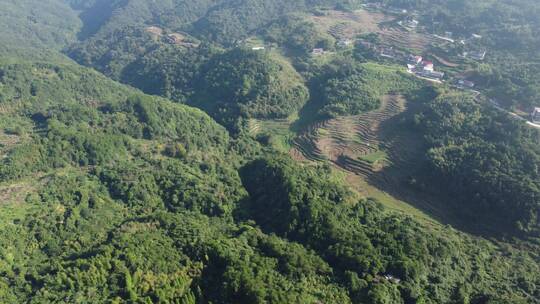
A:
{"x": 36, "y": 28}
{"x": 348, "y": 87}
{"x": 252, "y": 84}
{"x": 486, "y": 161}
{"x": 111, "y": 195}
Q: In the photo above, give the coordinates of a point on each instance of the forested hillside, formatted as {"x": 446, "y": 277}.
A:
{"x": 252, "y": 84}
{"x": 138, "y": 161}
{"x": 222, "y": 21}
{"x": 486, "y": 161}
{"x": 36, "y": 28}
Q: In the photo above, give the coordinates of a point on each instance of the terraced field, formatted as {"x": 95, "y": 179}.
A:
{"x": 342, "y": 24}
{"x": 350, "y": 24}
{"x": 346, "y": 141}
{"x": 377, "y": 153}
{"x": 407, "y": 40}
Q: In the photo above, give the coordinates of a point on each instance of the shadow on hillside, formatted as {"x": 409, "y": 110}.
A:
{"x": 308, "y": 115}
{"x": 94, "y": 17}
{"x": 402, "y": 177}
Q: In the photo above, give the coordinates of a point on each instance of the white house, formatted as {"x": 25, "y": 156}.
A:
{"x": 415, "y": 59}
{"x": 344, "y": 43}
{"x": 478, "y": 55}
{"x": 428, "y": 66}
{"x": 466, "y": 83}
{"x": 317, "y": 51}
{"x": 535, "y": 115}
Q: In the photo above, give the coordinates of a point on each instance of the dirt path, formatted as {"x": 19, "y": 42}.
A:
{"x": 444, "y": 62}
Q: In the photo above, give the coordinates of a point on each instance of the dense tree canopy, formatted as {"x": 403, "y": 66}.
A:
{"x": 487, "y": 161}
{"x": 252, "y": 84}
{"x": 109, "y": 195}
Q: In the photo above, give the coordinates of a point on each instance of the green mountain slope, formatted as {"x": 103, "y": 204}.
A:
{"x": 222, "y": 21}
{"x": 110, "y": 195}
{"x": 112, "y": 185}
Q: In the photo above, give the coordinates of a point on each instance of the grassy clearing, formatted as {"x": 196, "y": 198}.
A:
{"x": 375, "y": 157}
{"x": 359, "y": 185}
{"x": 12, "y": 212}
{"x": 16, "y": 192}
{"x": 12, "y": 200}
{"x": 277, "y": 132}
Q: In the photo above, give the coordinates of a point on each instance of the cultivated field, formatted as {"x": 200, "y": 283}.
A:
{"x": 351, "y": 24}
{"x": 378, "y": 156}
{"x": 342, "y": 24}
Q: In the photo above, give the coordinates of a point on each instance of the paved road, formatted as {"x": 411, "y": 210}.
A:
{"x": 496, "y": 105}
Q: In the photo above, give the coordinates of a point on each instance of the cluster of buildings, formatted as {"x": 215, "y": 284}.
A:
{"x": 423, "y": 68}
{"x": 158, "y": 34}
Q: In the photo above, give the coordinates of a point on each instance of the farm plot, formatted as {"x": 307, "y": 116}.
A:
{"x": 377, "y": 154}
{"x": 348, "y": 25}
{"x": 351, "y": 142}
{"x": 405, "y": 40}
{"x": 343, "y": 25}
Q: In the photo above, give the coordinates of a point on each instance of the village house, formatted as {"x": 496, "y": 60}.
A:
{"x": 535, "y": 115}
{"x": 391, "y": 278}
{"x": 478, "y": 55}
{"x": 317, "y": 52}
{"x": 372, "y": 5}
{"x": 396, "y": 10}
{"x": 436, "y": 75}
{"x": 174, "y": 38}
{"x": 258, "y": 48}
{"x": 463, "y": 83}
{"x": 427, "y": 65}
{"x": 154, "y": 30}
{"x": 411, "y": 22}
{"x": 425, "y": 69}
{"x": 414, "y": 60}
{"x": 344, "y": 43}
{"x": 387, "y": 52}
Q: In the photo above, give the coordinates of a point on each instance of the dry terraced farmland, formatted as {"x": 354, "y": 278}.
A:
{"x": 349, "y": 141}
{"x": 351, "y": 24}
{"x": 377, "y": 154}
